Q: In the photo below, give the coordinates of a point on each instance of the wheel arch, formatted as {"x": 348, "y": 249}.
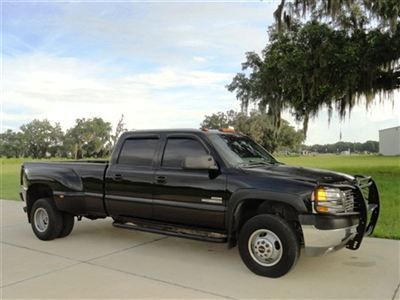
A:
{"x": 248, "y": 203}
{"x": 35, "y": 192}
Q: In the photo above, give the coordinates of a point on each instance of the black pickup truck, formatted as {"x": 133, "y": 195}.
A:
{"x": 212, "y": 185}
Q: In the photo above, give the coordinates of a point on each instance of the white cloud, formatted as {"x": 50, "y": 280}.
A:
{"x": 63, "y": 89}
{"x": 174, "y": 78}
{"x": 199, "y": 59}
{"x": 170, "y": 33}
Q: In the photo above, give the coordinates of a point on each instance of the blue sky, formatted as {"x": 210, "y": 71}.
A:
{"x": 161, "y": 64}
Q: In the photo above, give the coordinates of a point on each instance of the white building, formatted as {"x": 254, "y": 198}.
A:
{"x": 389, "y": 141}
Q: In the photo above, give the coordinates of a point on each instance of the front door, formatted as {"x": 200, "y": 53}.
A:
{"x": 188, "y": 197}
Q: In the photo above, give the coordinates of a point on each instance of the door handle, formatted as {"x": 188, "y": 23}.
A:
{"x": 117, "y": 177}
{"x": 161, "y": 179}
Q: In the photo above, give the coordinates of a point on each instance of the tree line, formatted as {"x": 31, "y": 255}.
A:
{"x": 368, "y": 146}
{"x": 94, "y": 137}
{"x": 91, "y": 137}
{"x": 259, "y": 126}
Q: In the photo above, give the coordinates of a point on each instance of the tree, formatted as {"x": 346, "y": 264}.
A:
{"x": 220, "y": 120}
{"x": 349, "y": 14}
{"x": 119, "y": 129}
{"x": 259, "y": 127}
{"x": 310, "y": 66}
{"x": 89, "y": 138}
{"x": 11, "y": 144}
{"x": 41, "y": 139}
{"x": 289, "y": 137}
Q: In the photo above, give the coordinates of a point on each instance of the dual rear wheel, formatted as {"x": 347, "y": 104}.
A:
{"x": 48, "y": 222}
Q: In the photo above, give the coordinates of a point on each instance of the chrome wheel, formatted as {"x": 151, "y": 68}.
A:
{"x": 41, "y": 219}
{"x": 265, "y": 247}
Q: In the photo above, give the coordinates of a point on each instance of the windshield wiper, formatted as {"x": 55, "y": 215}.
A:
{"x": 253, "y": 163}
{"x": 259, "y": 163}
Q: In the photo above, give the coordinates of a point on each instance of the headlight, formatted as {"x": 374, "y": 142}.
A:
{"x": 332, "y": 200}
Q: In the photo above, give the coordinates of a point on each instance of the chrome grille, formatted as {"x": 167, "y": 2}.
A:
{"x": 348, "y": 201}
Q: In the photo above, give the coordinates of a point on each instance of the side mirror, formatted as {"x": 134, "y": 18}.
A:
{"x": 204, "y": 162}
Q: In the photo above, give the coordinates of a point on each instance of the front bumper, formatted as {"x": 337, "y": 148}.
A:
{"x": 321, "y": 242}
{"x": 326, "y": 233}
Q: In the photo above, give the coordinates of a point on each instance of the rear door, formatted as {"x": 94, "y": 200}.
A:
{"x": 189, "y": 197}
{"x": 129, "y": 179}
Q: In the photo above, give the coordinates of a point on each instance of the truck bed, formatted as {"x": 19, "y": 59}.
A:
{"x": 80, "y": 182}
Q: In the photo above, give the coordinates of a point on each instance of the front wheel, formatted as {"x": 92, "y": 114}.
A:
{"x": 268, "y": 245}
{"x": 46, "y": 219}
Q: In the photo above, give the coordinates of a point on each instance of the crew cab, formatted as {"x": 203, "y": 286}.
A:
{"x": 211, "y": 185}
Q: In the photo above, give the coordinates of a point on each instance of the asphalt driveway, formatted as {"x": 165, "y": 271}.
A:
{"x": 100, "y": 261}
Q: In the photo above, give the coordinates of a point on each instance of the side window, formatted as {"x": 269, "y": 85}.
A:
{"x": 179, "y": 148}
{"x": 138, "y": 152}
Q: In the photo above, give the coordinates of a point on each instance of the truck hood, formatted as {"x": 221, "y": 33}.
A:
{"x": 299, "y": 173}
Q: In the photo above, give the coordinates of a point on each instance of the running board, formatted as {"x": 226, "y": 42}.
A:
{"x": 194, "y": 234}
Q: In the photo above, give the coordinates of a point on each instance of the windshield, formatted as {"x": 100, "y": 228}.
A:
{"x": 240, "y": 150}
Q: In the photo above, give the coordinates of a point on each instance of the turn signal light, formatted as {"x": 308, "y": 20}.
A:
{"x": 320, "y": 194}
{"x": 320, "y": 208}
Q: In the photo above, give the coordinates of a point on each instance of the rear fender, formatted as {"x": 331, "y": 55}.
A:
{"x": 65, "y": 179}
{"x": 64, "y": 185}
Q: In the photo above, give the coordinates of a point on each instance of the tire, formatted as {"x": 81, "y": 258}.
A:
{"x": 46, "y": 219}
{"x": 68, "y": 224}
{"x": 268, "y": 246}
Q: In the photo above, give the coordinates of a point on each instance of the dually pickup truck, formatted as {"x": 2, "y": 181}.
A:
{"x": 211, "y": 185}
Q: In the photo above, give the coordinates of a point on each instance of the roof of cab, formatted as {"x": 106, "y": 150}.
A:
{"x": 188, "y": 130}
{"x": 179, "y": 130}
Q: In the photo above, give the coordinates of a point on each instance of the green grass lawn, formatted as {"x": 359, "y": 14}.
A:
{"x": 385, "y": 170}
{"x": 9, "y": 178}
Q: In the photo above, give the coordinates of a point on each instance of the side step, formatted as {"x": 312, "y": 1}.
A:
{"x": 195, "y": 234}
